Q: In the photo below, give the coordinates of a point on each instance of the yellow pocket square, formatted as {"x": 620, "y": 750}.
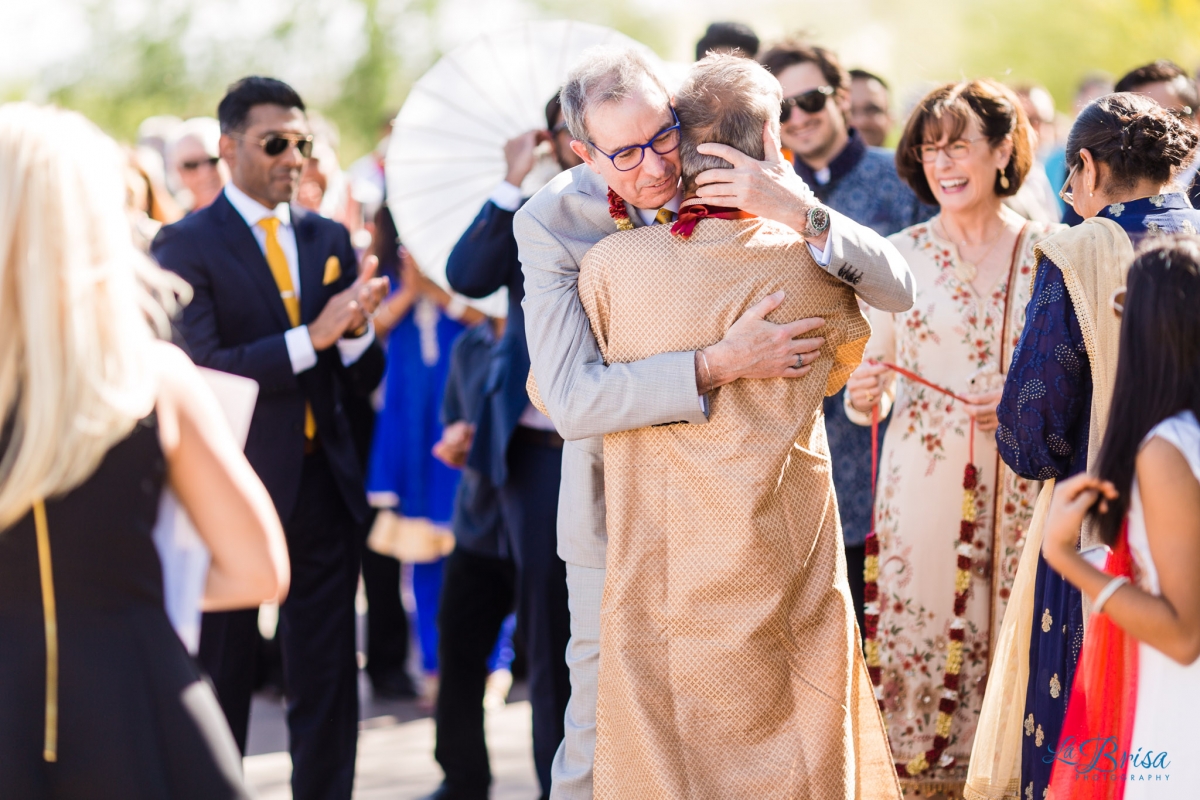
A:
{"x": 333, "y": 270}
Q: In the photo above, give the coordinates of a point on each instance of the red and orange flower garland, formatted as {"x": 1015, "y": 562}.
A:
{"x": 617, "y": 210}
{"x": 934, "y": 756}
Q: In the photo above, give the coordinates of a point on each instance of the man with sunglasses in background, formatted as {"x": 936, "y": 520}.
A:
{"x": 278, "y": 298}
{"x": 194, "y": 163}
{"x": 861, "y": 182}
{"x": 623, "y": 127}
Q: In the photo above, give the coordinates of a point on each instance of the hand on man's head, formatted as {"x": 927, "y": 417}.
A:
{"x": 769, "y": 188}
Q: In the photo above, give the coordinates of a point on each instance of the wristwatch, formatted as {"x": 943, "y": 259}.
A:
{"x": 817, "y": 222}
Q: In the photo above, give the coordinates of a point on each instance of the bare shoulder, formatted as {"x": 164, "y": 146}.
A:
{"x": 1161, "y": 464}
{"x": 177, "y": 374}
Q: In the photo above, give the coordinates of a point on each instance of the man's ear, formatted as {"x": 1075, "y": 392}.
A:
{"x": 580, "y": 149}
{"x": 227, "y": 149}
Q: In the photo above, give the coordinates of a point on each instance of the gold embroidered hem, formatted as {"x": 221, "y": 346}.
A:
{"x": 930, "y": 787}
{"x": 732, "y": 665}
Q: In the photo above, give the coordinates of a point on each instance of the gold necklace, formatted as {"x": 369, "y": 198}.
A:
{"x": 966, "y": 271}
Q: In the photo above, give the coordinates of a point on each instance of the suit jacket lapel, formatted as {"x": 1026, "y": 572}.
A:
{"x": 590, "y": 184}
{"x": 240, "y": 242}
{"x": 311, "y": 266}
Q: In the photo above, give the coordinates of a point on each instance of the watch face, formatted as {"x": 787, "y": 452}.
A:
{"x": 818, "y": 219}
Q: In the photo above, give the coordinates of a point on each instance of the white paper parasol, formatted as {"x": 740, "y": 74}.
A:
{"x": 447, "y": 148}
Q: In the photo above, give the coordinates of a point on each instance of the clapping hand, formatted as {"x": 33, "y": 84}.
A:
{"x": 349, "y": 309}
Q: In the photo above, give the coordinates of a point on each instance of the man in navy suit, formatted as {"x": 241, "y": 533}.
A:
{"x": 278, "y": 298}
{"x": 518, "y": 448}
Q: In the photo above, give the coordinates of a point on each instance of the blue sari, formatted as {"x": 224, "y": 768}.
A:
{"x": 1045, "y": 417}
{"x": 403, "y": 474}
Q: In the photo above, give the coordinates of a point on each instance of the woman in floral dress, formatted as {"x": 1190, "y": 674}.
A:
{"x": 940, "y": 601}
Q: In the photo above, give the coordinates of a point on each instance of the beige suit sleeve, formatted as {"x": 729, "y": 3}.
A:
{"x": 870, "y": 264}
{"x": 583, "y": 396}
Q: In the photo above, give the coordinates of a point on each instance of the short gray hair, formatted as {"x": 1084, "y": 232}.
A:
{"x": 724, "y": 99}
{"x": 605, "y": 75}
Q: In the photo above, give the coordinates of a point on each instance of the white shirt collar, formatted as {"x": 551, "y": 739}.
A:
{"x": 253, "y": 211}
{"x": 648, "y": 215}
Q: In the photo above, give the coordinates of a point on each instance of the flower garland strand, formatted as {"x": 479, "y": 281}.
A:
{"x": 617, "y": 210}
{"x": 948, "y": 704}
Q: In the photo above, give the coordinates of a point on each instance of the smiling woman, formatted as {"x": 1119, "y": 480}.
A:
{"x": 938, "y": 608}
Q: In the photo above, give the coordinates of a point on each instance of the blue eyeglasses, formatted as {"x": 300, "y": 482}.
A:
{"x": 627, "y": 158}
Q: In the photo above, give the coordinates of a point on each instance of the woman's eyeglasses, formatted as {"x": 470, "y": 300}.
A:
{"x": 809, "y": 102}
{"x": 1066, "y": 194}
{"x": 276, "y": 143}
{"x": 957, "y": 150}
{"x": 627, "y": 158}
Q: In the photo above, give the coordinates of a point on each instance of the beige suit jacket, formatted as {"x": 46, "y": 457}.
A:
{"x": 587, "y": 399}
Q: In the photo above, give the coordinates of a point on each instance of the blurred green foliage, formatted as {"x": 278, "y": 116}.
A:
{"x": 1058, "y": 43}
{"x": 157, "y": 65}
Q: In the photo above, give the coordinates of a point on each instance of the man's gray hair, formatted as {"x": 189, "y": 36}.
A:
{"x": 724, "y": 99}
{"x": 605, "y": 75}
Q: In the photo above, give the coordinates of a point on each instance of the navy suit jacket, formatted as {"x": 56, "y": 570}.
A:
{"x": 482, "y": 261}
{"x": 236, "y": 322}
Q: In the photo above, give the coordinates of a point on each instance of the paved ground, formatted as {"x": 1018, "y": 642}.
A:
{"x": 395, "y": 760}
{"x": 395, "y": 741}
{"x": 395, "y": 750}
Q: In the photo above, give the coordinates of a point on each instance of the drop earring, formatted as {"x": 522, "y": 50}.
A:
{"x": 1003, "y": 180}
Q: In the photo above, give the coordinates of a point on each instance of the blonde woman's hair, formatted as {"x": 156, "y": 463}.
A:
{"x": 80, "y": 306}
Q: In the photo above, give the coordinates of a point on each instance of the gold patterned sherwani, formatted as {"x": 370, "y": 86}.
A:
{"x": 731, "y": 665}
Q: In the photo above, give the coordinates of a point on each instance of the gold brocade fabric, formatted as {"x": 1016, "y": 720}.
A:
{"x": 731, "y": 664}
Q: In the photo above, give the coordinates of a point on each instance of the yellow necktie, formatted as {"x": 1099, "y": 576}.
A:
{"x": 278, "y": 263}
{"x": 664, "y": 216}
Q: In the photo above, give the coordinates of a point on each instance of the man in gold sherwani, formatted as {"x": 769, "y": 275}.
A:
{"x": 731, "y": 666}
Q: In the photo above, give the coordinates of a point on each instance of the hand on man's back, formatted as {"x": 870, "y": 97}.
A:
{"x": 756, "y": 349}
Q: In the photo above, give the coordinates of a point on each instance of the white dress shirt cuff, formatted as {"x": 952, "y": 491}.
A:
{"x": 300, "y": 349}
{"x": 506, "y": 196}
{"x": 823, "y": 256}
{"x": 352, "y": 350}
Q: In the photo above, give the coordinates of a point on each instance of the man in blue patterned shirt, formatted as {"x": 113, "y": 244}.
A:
{"x": 860, "y": 182}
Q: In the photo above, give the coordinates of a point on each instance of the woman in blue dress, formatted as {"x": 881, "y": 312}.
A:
{"x": 420, "y": 322}
{"x": 1122, "y": 154}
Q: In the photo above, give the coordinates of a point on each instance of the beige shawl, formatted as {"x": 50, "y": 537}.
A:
{"x": 1094, "y": 258}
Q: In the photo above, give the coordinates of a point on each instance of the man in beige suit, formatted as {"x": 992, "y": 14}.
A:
{"x": 621, "y": 118}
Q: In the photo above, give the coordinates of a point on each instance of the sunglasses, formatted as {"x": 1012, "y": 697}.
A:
{"x": 809, "y": 102}
{"x": 190, "y": 166}
{"x": 275, "y": 144}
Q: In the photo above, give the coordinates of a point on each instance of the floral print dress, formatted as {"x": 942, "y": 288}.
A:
{"x": 951, "y": 337}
